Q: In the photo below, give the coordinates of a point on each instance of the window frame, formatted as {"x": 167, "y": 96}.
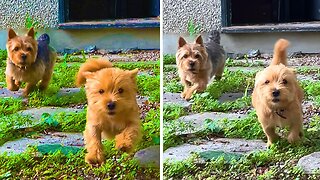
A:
{"x": 63, "y": 9}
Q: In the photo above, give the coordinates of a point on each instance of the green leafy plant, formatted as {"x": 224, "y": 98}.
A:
{"x": 193, "y": 29}
{"x": 169, "y": 59}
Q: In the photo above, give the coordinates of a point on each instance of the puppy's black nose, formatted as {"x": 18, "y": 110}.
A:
{"x": 276, "y": 93}
{"x": 23, "y": 56}
{"x": 191, "y": 63}
{"x": 111, "y": 105}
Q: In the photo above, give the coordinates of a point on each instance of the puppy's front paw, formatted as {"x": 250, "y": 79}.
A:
{"x": 293, "y": 138}
{"x": 25, "y": 93}
{"x": 123, "y": 144}
{"x": 13, "y": 87}
{"x": 182, "y": 95}
{"x": 94, "y": 159}
{"x": 188, "y": 96}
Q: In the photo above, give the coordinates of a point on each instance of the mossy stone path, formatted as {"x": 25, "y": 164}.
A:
{"x": 192, "y": 138}
{"x": 145, "y": 156}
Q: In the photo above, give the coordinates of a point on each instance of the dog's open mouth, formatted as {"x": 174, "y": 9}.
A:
{"x": 275, "y": 100}
{"x": 22, "y": 67}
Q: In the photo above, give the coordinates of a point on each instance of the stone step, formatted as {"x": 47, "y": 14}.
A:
{"x": 4, "y": 92}
{"x": 195, "y": 123}
{"x": 65, "y": 139}
{"x": 310, "y": 163}
{"x": 36, "y": 113}
{"x": 227, "y": 145}
{"x": 149, "y": 157}
{"x": 174, "y": 98}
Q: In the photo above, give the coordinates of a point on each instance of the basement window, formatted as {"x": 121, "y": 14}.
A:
{"x": 270, "y": 15}
{"x": 80, "y": 14}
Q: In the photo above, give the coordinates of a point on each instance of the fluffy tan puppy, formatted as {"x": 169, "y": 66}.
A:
{"x": 112, "y": 111}
{"x": 277, "y": 97}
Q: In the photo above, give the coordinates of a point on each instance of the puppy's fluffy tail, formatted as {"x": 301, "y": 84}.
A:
{"x": 214, "y": 36}
{"x": 92, "y": 65}
{"x": 280, "y": 52}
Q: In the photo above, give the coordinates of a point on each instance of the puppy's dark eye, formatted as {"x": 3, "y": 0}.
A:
{"x": 185, "y": 56}
{"x": 197, "y": 56}
{"x": 29, "y": 49}
{"x": 267, "y": 82}
{"x": 284, "y": 81}
{"x": 120, "y": 90}
{"x": 101, "y": 91}
{"x": 16, "y": 49}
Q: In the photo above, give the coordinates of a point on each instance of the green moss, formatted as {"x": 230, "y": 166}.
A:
{"x": 10, "y": 105}
{"x": 59, "y": 166}
{"x": 173, "y": 111}
{"x": 149, "y": 86}
{"x": 169, "y": 59}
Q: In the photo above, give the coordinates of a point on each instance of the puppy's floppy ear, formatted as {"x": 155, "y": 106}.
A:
{"x": 256, "y": 80}
{"x": 31, "y": 32}
{"x": 199, "y": 40}
{"x": 88, "y": 75}
{"x": 181, "y": 42}
{"x": 82, "y": 76}
{"x": 293, "y": 70}
{"x": 11, "y": 34}
{"x": 133, "y": 73}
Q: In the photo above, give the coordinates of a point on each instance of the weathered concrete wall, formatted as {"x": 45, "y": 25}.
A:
{"x": 307, "y": 42}
{"x": 109, "y": 38}
{"x": 177, "y": 13}
{"x": 13, "y": 13}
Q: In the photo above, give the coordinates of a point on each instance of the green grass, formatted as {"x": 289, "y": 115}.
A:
{"x": 247, "y": 128}
{"x": 10, "y": 105}
{"x": 173, "y": 111}
{"x": 279, "y": 160}
{"x": 60, "y": 166}
{"x": 149, "y": 86}
{"x": 245, "y": 168}
{"x": 169, "y": 59}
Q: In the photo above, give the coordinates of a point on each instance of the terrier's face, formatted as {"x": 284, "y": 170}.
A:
{"x": 191, "y": 57}
{"x": 277, "y": 86}
{"x": 111, "y": 91}
{"x": 22, "y": 50}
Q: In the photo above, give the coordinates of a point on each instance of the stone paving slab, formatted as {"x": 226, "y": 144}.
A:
{"x": 196, "y": 122}
{"x": 149, "y": 156}
{"x": 226, "y": 97}
{"x": 310, "y": 163}
{"x": 245, "y": 69}
{"x": 20, "y": 145}
{"x": 36, "y": 113}
{"x": 174, "y": 98}
{"x": 4, "y": 92}
{"x": 240, "y": 146}
{"x": 68, "y": 91}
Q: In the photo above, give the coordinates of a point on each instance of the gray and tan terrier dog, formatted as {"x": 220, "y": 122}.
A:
{"x": 29, "y": 60}
{"x": 198, "y": 62}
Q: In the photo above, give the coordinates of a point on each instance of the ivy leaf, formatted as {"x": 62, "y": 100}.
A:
{"x": 49, "y": 120}
{"x": 156, "y": 139}
{"x": 213, "y": 155}
{"x": 52, "y": 148}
